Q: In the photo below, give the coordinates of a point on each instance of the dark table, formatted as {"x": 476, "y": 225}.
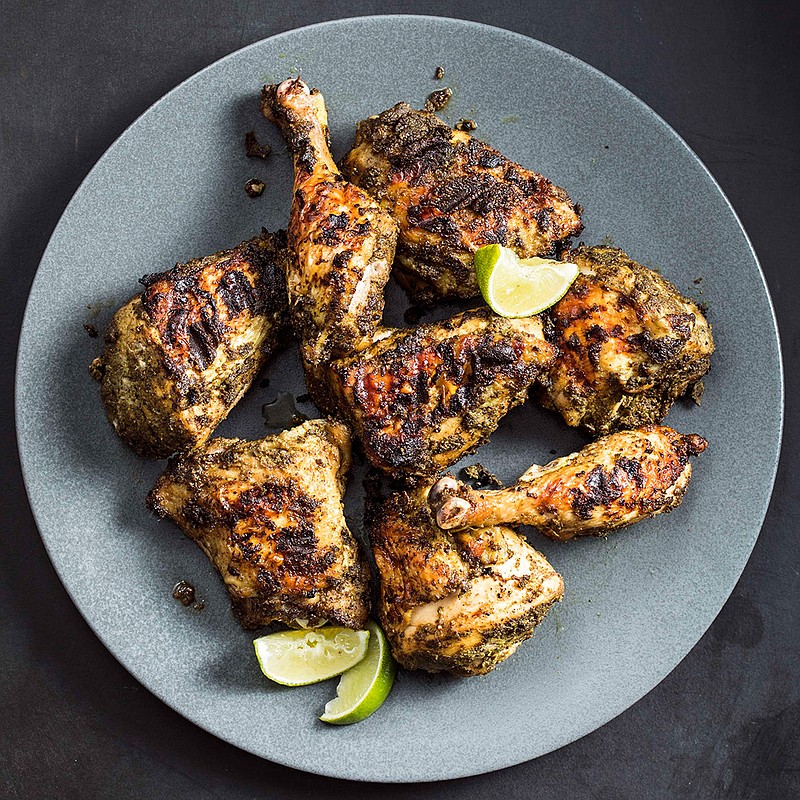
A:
{"x": 725, "y": 723}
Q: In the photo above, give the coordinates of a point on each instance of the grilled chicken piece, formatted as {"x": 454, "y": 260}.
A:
{"x": 452, "y": 194}
{"x": 612, "y": 482}
{"x": 459, "y": 602}
{"x": 341, "y": 242}
{"x": 421, "y": 398}
{"x": 630, "y": 344}
{"x": 269, "y": 516}
{"x": 179, "y": 356}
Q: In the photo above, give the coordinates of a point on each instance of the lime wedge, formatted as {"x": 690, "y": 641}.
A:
{"x": 515, "y": 287}
{"x": 297, "y": 658}
{"x": 364, "y": 687}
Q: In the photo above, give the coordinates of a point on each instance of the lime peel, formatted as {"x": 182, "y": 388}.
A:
{"x": 301, "y": 657}
{"x": 364, "y": 687}
{"x": 514, "y": 287}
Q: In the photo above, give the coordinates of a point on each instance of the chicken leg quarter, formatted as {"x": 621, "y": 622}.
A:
{"x": 613, "y": 482}
{"x": 340, "y": 241}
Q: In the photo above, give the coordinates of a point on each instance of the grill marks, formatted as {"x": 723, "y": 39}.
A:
{"x": 661, "y": 349}
{"x": 421, "y": 398}
{"x": 193, "y": 305}
{"x": 273, "y": 525}
{"x": 238, "y": 293}
{"x": 269, "y": 515}
{"x": 331, "y": 233}
{"x": 642, "y": 483}
{"x": 599, "y": 488}
{"x": 423, "y": 382}
{"x": 452, "y": 194}
{"x": 472, "y": 187}
{"x": 630, "y": 344}
{"x": 456, "y": 173}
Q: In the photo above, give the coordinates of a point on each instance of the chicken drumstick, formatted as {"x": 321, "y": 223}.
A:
{"x": 340, "y": 241}
{"x": 612, "y": 482}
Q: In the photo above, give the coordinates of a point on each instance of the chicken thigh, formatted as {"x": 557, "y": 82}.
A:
{"x": 181, "y": 354}
{"x": 452, "y": 194}
{"x": 341, "y": 241}
{"x": 421, "y": 398}
{"x": 461, "y": 602}
{"x": 630, "y": 344}
{"x": 612, "y": 482}
{"x": 269, "y": 516}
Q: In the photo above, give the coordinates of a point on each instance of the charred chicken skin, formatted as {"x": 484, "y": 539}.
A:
{"x": 421, "y": 398}
{"x": 461, "y": 602}
{"x": 630, "y": 344}
{"x": 612, "y": 482}
{"x": 341, "y": 241}
{"x": 181, "y": 354}
{"x": 268, "y": 514}
{"x": 452, "y": 194}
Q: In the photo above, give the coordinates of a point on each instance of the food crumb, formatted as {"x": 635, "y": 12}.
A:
{"x": 184, "y": 593}
{"x": 696, "y": 392}
{"x": 91, "y": 330}
{"x": 480, "y": 476}
{"x": 97, "y": 369}
{"x": 553, "y": 452}
{"x": 466, "y": 125}
{"x": 438, "y": 100}
{"x": 253, "y": 148}
{"x": 439, "y": 74}
{"x": 254, "y": 187}
{"x": 697, "y": 281}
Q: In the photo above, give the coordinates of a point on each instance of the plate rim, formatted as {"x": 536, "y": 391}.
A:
{"x": 425, "y": 18}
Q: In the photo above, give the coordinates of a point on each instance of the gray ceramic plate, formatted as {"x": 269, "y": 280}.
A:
{"x": 171, "y": 188}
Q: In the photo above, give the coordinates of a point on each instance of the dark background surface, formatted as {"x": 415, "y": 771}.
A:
{"x": 725, "y": 723}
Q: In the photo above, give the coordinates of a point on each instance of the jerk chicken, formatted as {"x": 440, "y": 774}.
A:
{"x": 269, "y": 516}
{"x": 612, "y": 482}
{"x": 630, "y": 344}
{"x": 181, "y": 354}
{"x": 341, "y": 241}
{"x": 421, "y": 398}
{"x": 461, "y": 602}
{"x": 452, "y": 194}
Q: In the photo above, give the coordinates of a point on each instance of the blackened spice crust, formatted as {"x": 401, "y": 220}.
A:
{"x": 253, "y": 148}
